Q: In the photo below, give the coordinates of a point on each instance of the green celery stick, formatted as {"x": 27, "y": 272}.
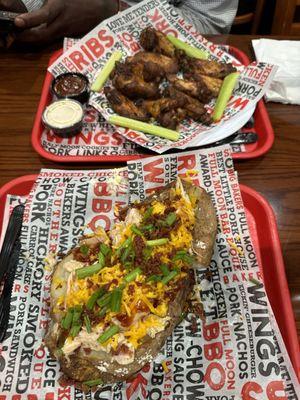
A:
{"x": 106, "y": 71}
{"x": 224, "y": 95}
{"x": 189, "y": 50}
{"x": 144, "y": 127}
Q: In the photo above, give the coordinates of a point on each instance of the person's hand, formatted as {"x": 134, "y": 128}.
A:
{"x": 59, "y": 18}
{"x": 16, "y": 6}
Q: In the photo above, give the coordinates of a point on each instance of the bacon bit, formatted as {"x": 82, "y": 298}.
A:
{"x": 87, "y": 350}
{"x": 89, "y": 284}
{"x": 155, "y": 303}
{"x": 141, "y": 306}
{"x": 123, "y": 349}
{"x": 130, "y": 289}
{"x": 114, "y": 282}
{"x": 124, "y": 319}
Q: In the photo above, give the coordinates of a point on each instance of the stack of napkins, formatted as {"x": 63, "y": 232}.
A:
{"x": 285, "y": 87}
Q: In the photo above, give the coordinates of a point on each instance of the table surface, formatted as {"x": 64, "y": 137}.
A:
{"x": 275, "y": 175}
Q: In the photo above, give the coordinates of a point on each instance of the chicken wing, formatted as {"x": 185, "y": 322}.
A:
{"x": 212, "y": 84}
{"x": 157, "y": 42}
{"x": 123, "y": 106}
{"x": 168, "y": 112}
{"x": 172, "y": 118}
{"x": 210, "y": 68}
{"x": 128, "y": 78}
{"x": 193, "y": 107}
{"x": 166, "y": 64}
{"x": 156, "y": 107}
{"x": 193, "y": 88}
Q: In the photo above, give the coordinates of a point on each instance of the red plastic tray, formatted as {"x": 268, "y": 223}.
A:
{"x": 262, "y": 126}
{"x": 263, "y": 229}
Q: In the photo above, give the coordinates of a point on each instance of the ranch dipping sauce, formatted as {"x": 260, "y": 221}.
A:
{"x": 64, "y": 117}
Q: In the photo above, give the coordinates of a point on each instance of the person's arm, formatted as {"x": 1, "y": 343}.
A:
{"x": 210, "y": 16}
{"x": 59, "y": 18}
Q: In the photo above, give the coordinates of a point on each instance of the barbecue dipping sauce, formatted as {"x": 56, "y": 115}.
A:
{"x": 69, "y": 85}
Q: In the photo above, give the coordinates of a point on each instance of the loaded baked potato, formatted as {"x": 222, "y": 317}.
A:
{"x": 118, "y": 295}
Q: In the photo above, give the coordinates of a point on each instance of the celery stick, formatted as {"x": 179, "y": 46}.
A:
{"x": 189, "y": 50}
{"x": 144, "y": 127}
{"x": 105, "y": 72}
{"x": 224, "y": 95}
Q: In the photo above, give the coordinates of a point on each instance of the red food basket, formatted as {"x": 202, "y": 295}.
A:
{"x": 262, "y": 126}
{"x": 263, "y": 229}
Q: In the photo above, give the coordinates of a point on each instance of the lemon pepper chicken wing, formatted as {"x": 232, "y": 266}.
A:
{"x": 128, "y": 78}
{"x": 156, "y": 41}
{"x": 123, "y": 106}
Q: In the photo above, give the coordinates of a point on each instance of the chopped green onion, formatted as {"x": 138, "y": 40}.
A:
{"x": 136, "y": 230}
{"x": 127, "y": 265}
{"x": 67, "y": 320}
{"x": 87, "y": 323}
{"x": 171, "y": 218}
{"x": 169, "y": 277}
{"x": 105, "y": 250}
{"x": 147, "y": 227}
{"x": 126, "y": 253}
{"x": 84, "y": 249}
{"x": 133, "y": 275}
{"x": 92, "y": 300}
{"x": 189, "y": 50}
{"x": 106, "y": 71}
{"x": 224, "y": 95}
{"x": 122, "y": 286}
{"x": 184, "y": 256}
{"x": 108, "y": 333}
{"x": 147, "y": 253}
{"x": 115, "y": 301}
{"x": 101, "y": 259}
{"x": 157, "y": 242}
{"x": 76, "y": 315}
{"x": 154, "y": 278}
{"x": 75, "y": 330}
{"x": 102, "y": 312}
{"x": 104, "y": 300}
{"x": 164, "y": 269}
{"x": 90, "y": 270}
{"x": 94, "y": 382}
{"x": 125, "y": 244}
{"x": 148, "y": 213}
{"x": 144, "y": 127}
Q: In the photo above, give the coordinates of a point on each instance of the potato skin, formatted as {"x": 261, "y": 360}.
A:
{"x": 82, "y": 366}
